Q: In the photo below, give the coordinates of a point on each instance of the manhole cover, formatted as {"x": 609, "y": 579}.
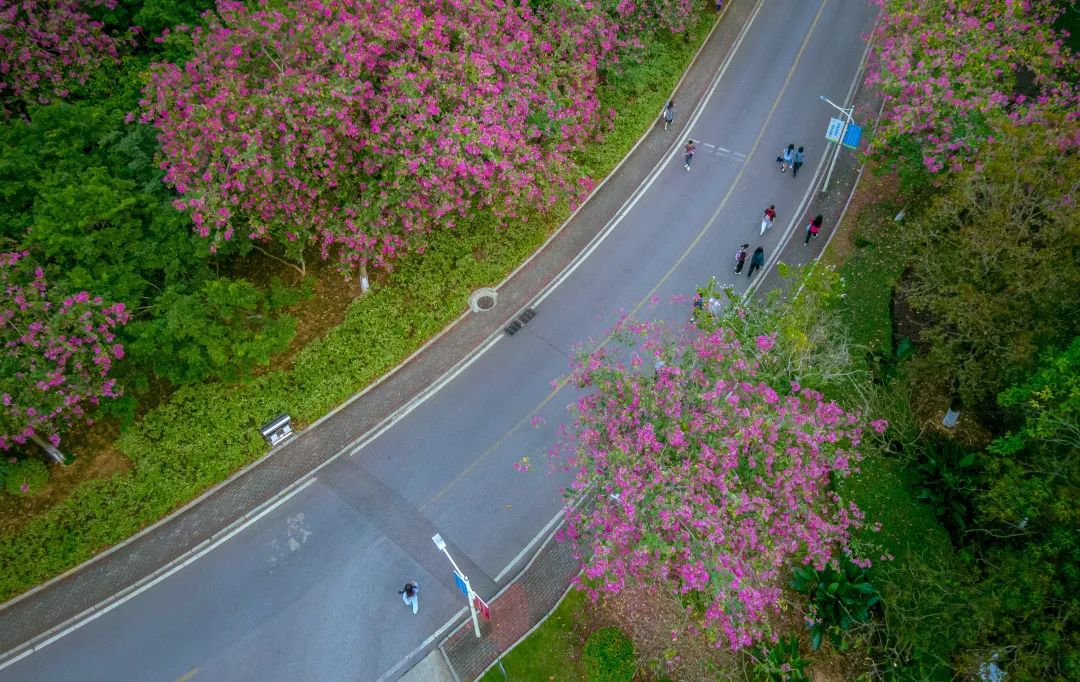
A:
{"x": 483, "y": 300}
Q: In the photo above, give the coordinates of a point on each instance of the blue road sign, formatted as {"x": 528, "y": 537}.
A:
{"x": 852, "y": 136}
{"x": 461, "y": 584}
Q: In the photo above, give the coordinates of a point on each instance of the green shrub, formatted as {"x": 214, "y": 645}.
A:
{"x": 947, "y": 478}
{"x": 781, "y": 663}
{"x": 838, "y": 599}
{"x": 609, "y": 656}
{"x": 25, "y": 476}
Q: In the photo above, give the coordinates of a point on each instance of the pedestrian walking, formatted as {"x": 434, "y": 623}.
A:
{"x": 410, "y": 594}
{"x": 740, "y": 258}
{"x": 797, "y": 163}
{"x": 770, "y": 215}
{"x": 690, "y": 149}
{"x": 757, "y": 261}
{"x": 787, "y": 156}
{"x": 813, "y": 228}
{"x": 719, "y": 5}
{"x": 669, "y": 114}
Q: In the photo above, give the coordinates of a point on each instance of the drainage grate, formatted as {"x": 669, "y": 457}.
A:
{"x": 520, "y": 321}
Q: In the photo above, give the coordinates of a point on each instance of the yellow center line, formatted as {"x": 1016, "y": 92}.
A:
{"x": 667, "y": 275}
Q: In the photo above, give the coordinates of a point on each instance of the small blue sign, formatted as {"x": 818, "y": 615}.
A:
{"x": 852, "y": 136}
{"x": 461, "y": 584}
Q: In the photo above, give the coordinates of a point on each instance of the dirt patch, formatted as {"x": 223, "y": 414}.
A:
{"x": 874, "y": 190}
{"x": 95, "y": 458}
{"x": 317, "y": 315}
{"x": 664, "y": 640}
{"x": 907, "y": 322}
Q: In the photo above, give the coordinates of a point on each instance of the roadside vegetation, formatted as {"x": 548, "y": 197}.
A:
{"x": 222, "y": 332}
{"x": 952, "y": 292}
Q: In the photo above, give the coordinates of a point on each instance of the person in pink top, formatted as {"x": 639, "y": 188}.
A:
{"x": 813, "y": 228}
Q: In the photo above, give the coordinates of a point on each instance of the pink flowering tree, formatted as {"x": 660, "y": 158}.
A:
{"x": 47, "y": 45}
{"x": 361, "y": 125}
{"x": 57, "y": 352}
{"x": 643, "y": 17}
{"x": 702, "y": 477}
{"x": 952, "y": 69}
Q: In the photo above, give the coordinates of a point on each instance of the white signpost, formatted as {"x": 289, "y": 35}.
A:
{"x": 462, "y": 582}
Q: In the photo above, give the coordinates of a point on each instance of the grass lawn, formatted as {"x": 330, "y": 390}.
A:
{"x": 870, "y": 270}
{"x": 551, "y": 652}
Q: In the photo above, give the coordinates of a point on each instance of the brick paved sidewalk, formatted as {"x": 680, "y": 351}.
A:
{"x": 38, "y": 614}
{"x": 527, "y": 600}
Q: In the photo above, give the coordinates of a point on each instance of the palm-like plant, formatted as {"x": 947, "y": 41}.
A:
{"x": 838, "y": 599}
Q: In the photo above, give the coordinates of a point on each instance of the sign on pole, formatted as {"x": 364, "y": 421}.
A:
{"x": 483, "y": 608}
{"x": 460, "y": 581}
{"x": 832, "y": 133}
{"x": 852, "y": 135}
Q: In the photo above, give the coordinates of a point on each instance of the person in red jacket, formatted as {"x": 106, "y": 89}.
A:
{"x": 770, "y": 215}
{"x": 813, "y": 228}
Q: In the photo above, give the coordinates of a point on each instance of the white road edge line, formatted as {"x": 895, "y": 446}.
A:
{"x": 525, "y": 550}
{"x": 81, "y": 621}
{"x": 423, "y": 645}
{"x": 424, "y": 396}
{"x": 812, "y": 187}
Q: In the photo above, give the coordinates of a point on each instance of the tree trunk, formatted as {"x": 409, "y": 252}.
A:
{"x": 363, "y": 278}
{"x": 49, "y": 449}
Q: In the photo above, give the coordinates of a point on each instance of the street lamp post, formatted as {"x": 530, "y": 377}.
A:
{"x": 469, "y": 594}
{"x": 843, "y": 131}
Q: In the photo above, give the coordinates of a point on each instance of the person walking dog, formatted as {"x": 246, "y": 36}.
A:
{"x": 787, "y": 156}
{"x": 669, "y": 114}
{"x": 690, "y": 149}
{"x": 740, "y": 258}
{"x": 410, "y": 594}
{"x": 757, "y": 261}
{"x": 813, "y": 228}
{"x": 797, "y": 162}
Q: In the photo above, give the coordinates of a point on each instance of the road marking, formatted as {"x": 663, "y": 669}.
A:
{"x": 525, "y": 550}
{"x": 422, "y": 398}
{"x": 144, "y": 586}
{"x": 423, "y": 645}
{"x": 91, "y": 614}
{"x": 188, "y": 675}
{"x": 689, "y": 249}
{"x": 772, "y": 260}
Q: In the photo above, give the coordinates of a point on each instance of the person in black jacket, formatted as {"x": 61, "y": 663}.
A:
{"x": 757, "y": 261}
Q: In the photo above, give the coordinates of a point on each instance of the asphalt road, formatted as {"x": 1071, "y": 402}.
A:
{"x": 309, "y": 590}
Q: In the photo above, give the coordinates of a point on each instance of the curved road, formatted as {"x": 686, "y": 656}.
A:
{"x": 308, "y": 591}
